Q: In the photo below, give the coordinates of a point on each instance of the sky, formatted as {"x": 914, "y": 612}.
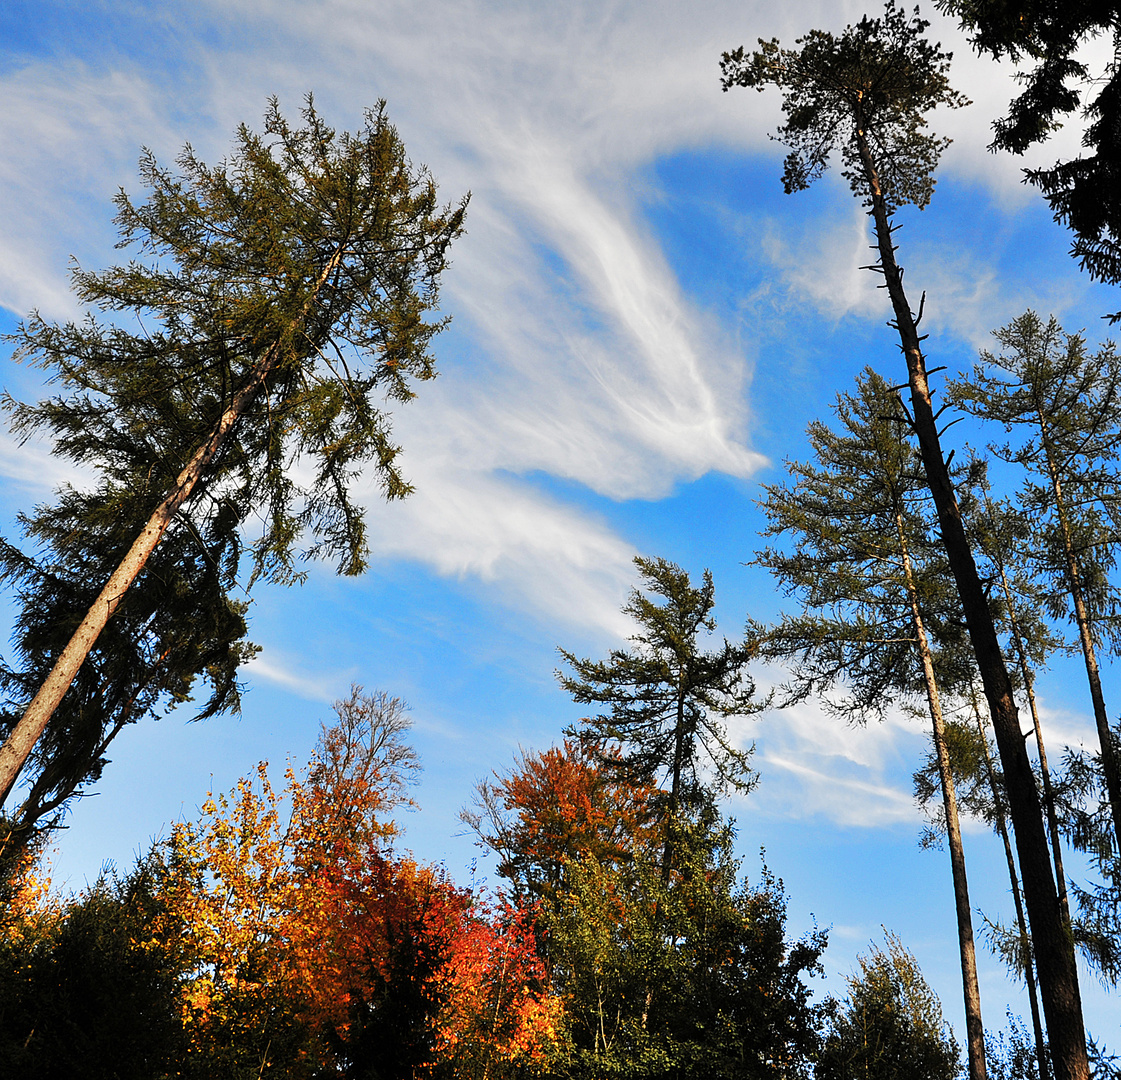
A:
{"x": 642, "y": 326}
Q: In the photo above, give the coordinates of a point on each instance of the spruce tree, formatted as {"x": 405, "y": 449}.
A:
{"x": 667, "y": 700}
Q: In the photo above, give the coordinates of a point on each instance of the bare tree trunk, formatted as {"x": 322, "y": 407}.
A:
{"x": 974, "y": 1028}
{"x": 1026, "y": 963}
{"x": 1058, "y": 976}
{"x": 39, "y": 712}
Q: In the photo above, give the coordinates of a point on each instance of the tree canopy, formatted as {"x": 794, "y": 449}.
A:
{"x": 279, "y": 298}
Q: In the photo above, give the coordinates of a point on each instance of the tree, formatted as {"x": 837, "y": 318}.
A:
{"x": 556, "y": 807}
{"x": 176, "y": 626}
{"x": 890, "y": 1027}
{"x": 667, "y": 698}
{"x": 89, "y": 988}
{"x": 287, "y": 290}
{"x": 982, "y": 797}
{"x": 1069, "y": 402}
{"x": 872, "y": 581}
{"x": 866, "y": 92}
{"x": 685, "y": 975}
{"x": 1083, "y": 193}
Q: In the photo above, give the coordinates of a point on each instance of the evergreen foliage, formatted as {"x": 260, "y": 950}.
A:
{"x": 668, "y": 699}
{"x": 1084, "y": 193}
{"x": 278, "y": 298}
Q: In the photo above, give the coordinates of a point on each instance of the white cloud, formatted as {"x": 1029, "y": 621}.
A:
{"x": 282, "y": 670}
{"x": 589, "y": 363}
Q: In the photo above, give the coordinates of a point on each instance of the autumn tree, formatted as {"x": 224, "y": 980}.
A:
{"x": 556, "y": 807}
{"x": 866, "y": 93}
{"x": 880, "y": 620}
{"x": 316, "y": 948}
{"x": 285, "y": 294}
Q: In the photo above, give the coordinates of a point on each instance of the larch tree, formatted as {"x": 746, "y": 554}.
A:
{"x": 1066, "y": 403}
{"x": 872, "y": 581}
{"x": 281, "y": 297}
{"x": 866, "y": 93}
{"x": 1003, "y": 533}
{"x": 177, "y": 626}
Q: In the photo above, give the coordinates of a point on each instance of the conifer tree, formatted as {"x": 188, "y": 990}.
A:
{"x": 866, "y": 93}
{"x": 872, "y": 580}
{"x": 667, "y": 699}
{"x": 284, "y": 296}
{"x": 1084, "y": 192}
{"x": 1067, "y": 403}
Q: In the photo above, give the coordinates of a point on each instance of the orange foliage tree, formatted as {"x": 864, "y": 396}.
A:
{"x": 315, "y": 949}
{"x": 557, "y": 806}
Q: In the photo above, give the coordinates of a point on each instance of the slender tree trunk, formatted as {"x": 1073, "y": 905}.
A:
{"x": 1074, "y": 581}
{"x": 39, "y": 712}
{"x": 1058, "y": 976}
{"x": 1026, "y": 964}
{"x": 1048, "y": 789}
{"x": 974, "y": 1028}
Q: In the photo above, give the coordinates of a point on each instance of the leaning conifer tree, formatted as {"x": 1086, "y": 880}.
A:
{"x": 866, "y": 93}
{"x": 283, "y": 299}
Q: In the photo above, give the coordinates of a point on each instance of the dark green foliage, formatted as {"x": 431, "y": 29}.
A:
{"x": 1084, "y": 193}
{"x": 890, "y": 1027}
{"x": 851, "y": 516}
{"x": 685, "y": 976}
{"x": 319, "y": 249}
{"x": 667, "y": 698}
{"x": 176, "y": 624}
{"x": 1062, "y": 404}
{"x": 274, "y": 303}
{"x": 879, "y": 76}
{"x": 92, "y": 993}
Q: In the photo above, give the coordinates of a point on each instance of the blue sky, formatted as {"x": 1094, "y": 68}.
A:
{"x": 643, "y": 325}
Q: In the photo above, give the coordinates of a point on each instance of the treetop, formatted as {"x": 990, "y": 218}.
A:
{"x": 877, "y": 80}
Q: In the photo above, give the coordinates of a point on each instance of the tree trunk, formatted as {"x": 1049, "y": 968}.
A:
{"x": 39, "y": 712}
{"x": 974, "y": 1028}
{"x": 1048, "y": 790}
{"x": 1026, "y": 964}
{"x": 1058, "y": 976}
{"x": 1074, "y": 581}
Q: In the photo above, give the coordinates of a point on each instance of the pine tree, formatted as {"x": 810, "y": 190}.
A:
{"x": 866, "y": 93}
